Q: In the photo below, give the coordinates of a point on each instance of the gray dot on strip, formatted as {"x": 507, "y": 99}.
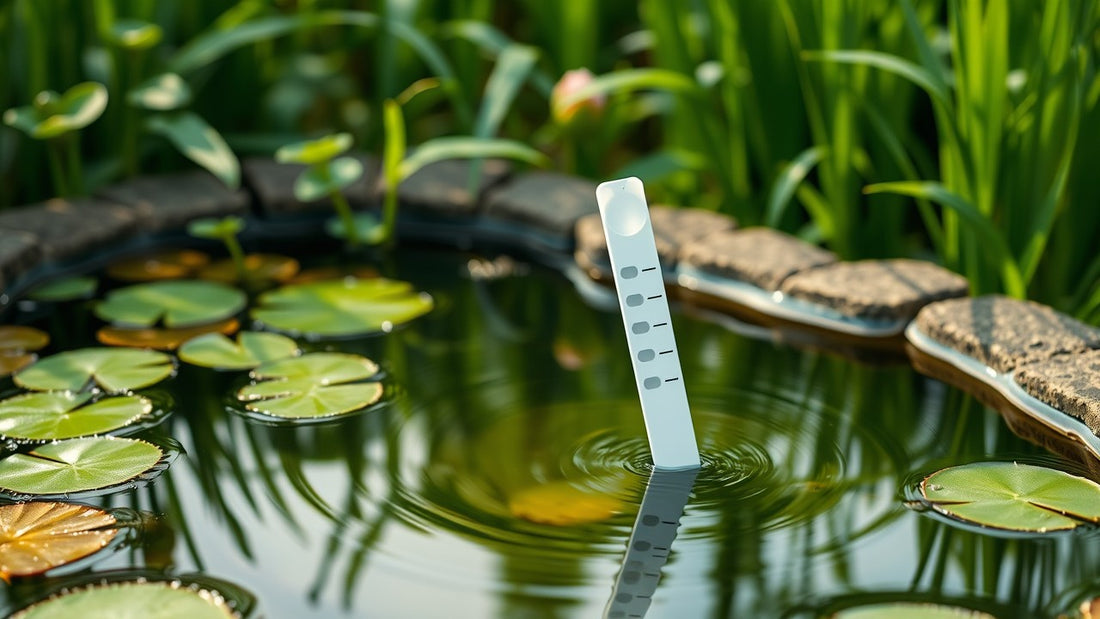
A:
{"x": 647, "y": 355}
{"x": 629, "y": 272}
{"x": 640, "y": 327}
{"x": 652, "y": 382}
{"x": 635, "y": 300}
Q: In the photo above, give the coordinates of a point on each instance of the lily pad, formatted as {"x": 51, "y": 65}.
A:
{"x": 312, "y": 152}
{"x": 173, "y": 304}
{"x": 77, "y": 465}
{"x": 162, "y": 339}
{"x": 1014, "y": 497}
{"x": 17, "y": 346}
{"x": 341, "y": 308}
{"x": 140, "y": 598}
{"x": 260, "y": 267}
{"x": 560, "y": 503}
{"x": 66, "y": 289}
{"x": 38, "y": 536}
{"x": 909, "y": 610}
{"x": 171, "y": 264}
{"x": 327, "y": 178}
{"x": 161, "y": 93}
{"x": 311, "y": 386}
{"x": 112, "y": 369}
{"x": 53, "y": 415}
{"x": 318, "y": 274}
{"x": 250, "y": 350}
{"x": 54, "y": 115}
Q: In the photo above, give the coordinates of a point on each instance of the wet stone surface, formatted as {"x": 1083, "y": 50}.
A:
{"x": 273, "y": 184}
{"x": 19, "y": 252}
{"x": 758, "y": 256}
{"x": 876, "y": 289}
{"x": 1069, "y": 383}
{"x": 67, "y": 228}
{"x": 443, "y": 187}
{"x": 672, "y": 229}
{"x": 1004, "y": 333}
{"x": 171, "y": 201}
{"x": 549, "y": 202}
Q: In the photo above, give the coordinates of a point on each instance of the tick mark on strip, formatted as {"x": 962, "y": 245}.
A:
{"x": 660, "y": 324}
{"x": 649, "y": 269}
{"x": 665, "y": 352}
{"x": 656, "y": 296}
{"x": 669, "y": 380}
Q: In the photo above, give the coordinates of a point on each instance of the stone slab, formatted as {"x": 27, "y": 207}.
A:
{"x": 273, "y": 184}
{"x": 547, "y": 201}
{"x": 442, "y": 188}
{"x": 1004, "y": 333}
{"x": 19, "y": 253}
{"x": 1069, "y": 383}
{"x": 68, "y": 228}
{"x": 673, "y": 228}
{"x": 876, "y": 289}
{"x": 759, "y": 256}
{"x": 170, "y": 201}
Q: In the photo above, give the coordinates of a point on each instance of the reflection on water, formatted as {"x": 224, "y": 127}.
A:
{"x": 507, "y": 475}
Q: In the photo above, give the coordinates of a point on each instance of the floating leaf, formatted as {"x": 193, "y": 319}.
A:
{"x": 250, "y": 350}
{"x": 162, "y": 339}
{"x": 161, "y": 93}
{"x": 260, "y": 267}
{"x": 54, "y": 415}
{"x": 1016, "y": 497}
{"x": 313, "y": 385}
{"x": 909, "y": 610}
{"x": 312, "y": 152}
{"x": 39, "y": 536}
{"x": 141, "y": 598}
{"x": 54, "y": 115}
{"x": 112, "y": 369}
{"x": 19, "y": 339}
{"x": 65, "y": 289}
{"x": 327, "y": 178}
{"x": 170, "y": 264}
{"x": 11, "y": 363}
{"x": 171, "y": 303}
{"x": 342, "y": 307}
{"x": 77, "y": 465}
{"x": 200, "y": 143}
{"x": 560, "y": 503}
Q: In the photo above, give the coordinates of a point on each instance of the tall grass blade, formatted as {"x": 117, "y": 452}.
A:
{"x": 788, "y": 181}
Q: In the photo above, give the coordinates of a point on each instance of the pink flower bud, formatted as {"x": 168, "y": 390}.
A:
{"x": 570, "y": 83}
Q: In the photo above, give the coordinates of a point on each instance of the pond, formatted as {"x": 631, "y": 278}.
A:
{"x": 502, "y": 472}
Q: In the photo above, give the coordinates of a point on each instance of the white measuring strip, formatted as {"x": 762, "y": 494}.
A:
{"x": 641, "y": 290}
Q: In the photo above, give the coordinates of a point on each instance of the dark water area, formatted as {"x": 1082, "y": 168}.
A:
{"x": 503, "y": 474}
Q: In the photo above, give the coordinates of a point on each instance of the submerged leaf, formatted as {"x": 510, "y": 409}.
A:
{"x": 77, "y": 465}
{"x": 162, "y": 339}
{"x": 341, "y": 307}
{"x": 65, "y": 289}
{"x": 131, "y": 599}
{"x": 560, "y": 503}
{"x": 53, "y": 415}
{"x": 1015, "y": 497}
{"x": 170, "y": 264}
{"x": 250, "y": 350}
{"x": 39, "y": 536}
{"x": 313, "y": 385}
{"x": 171, "y": 303}
{"x": 112, "y": 369}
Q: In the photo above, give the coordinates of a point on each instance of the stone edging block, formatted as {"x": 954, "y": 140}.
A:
{"x": 674, "y": 228}
{"x": 442, "y": 188}
{"x": 68, "y": 228}
{"x": 170, "y": 201}
{"x": 759, "y": 256}
{"x": 549, "y": 202}
{"x": 273, "y": 185}
{"x": 1069, "y": 383}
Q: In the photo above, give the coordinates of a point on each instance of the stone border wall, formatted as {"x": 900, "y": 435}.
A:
{"x": 1017, "y": 356}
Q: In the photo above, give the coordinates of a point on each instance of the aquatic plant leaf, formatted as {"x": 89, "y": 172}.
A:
{"x": 341, "y": 307}
{"x": 112, "y": 369}
{"x": 11, "y": 363}
{"x": 562, "y": 504}
{"x": 76, "y": 465}
{"x": 319, "y": 274}
{"x": 174, "y": 304}
{"x": 462, "y": 147}
{"x": 142, "y": 598}
{"x": 262, "y": 268}
{"x": 170, "y": 264}
{"x": 39, "y": 535}
{"x": 250, "y": 350}
{"x": 313, "y": 152}
{"x": 18, "y": 339}
{"x": 134, "y": 34}
{"x": 367, "y": 227}
{"x": 65, "y": 289}
{"x": 54, "y": 115}
{"x": 1016, "y": 497}
{"x": 53, "y": 415}
{"x": 327, "y": 178}
{"x": 161, "y": 93}
{"x": 909, "y": 610}
{"x": 200, "y": 143}
{"x": 162, "y": 339}
{"x": 313, "y": 385}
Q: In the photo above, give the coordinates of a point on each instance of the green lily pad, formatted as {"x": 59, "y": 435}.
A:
{"x": 54, "y": 415}
{"x": 174, "y": 304}
{"x": 152, "y": 599}
{"x": 77, "y": 465}
{"x": 909, "y": 610}
{"x": 327, "y": 178}
{"x": 339, "y": 308}
{"x": 250, "y": 350}
{"x": 54, "y": 115}
{"x": 162, "y": 93}
{"x": 367, "y": 228}
{"x": 134, "y": 34}
{"x": 216, "y": 228}
{"x": 66, "y": 289}
{"x": 1015, "y": 497}
{"x": 112, "y": 369}
{"x": 311, "y": 386}
{"x": 312, "y": 152}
